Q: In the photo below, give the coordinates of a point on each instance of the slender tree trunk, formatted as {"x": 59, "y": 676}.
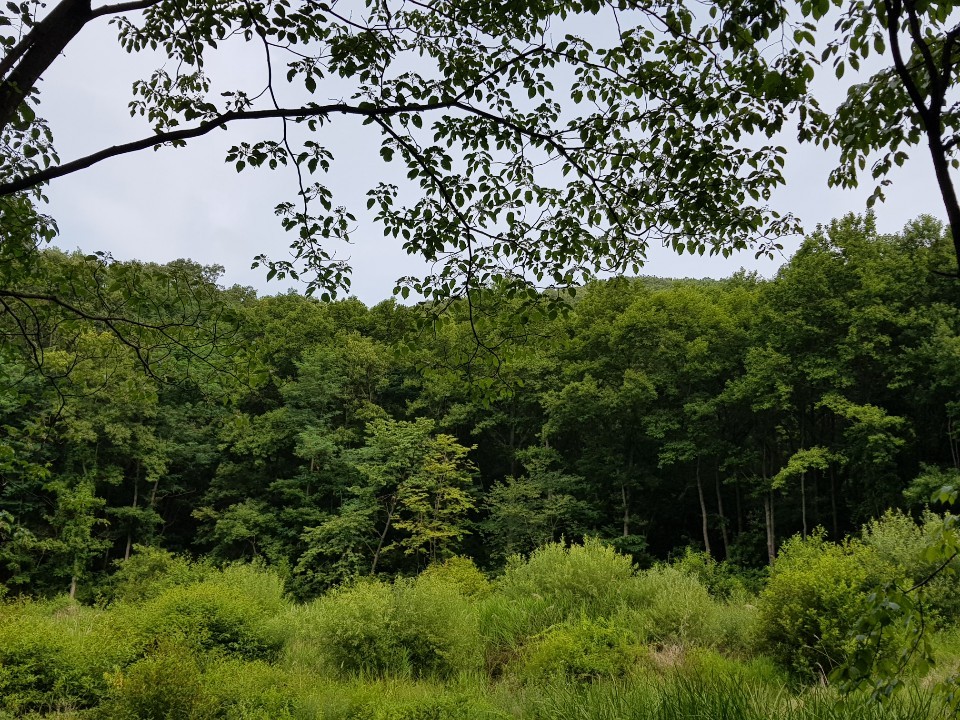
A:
{"x": 626, "y": 509}
{"x": 153, "y": 492}
{"x": 954, "y": 445}
{"x": 941, "y": 166}
{"x": 768, "y": 512}
{"x": 724, "y": 534}
{"x": 136, "y": 488}
{"x": 383, "y": 535}
{"x": 703, "y": 511}
{"x": 73, "y": 587}
{"x": 625, "y": 494}
{"x": 803, "y": 501}
{"x": 833, "y": 503}
{"x": 136, "y": 492}
{"x": 736, "y": 487}
{"x": 771, "y": 530}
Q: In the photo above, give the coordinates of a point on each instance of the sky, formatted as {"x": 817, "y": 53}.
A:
{"x": 188, "y": 203}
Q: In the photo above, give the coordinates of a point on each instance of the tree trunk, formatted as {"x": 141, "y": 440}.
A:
{"x": 724, "y": 535}
{"x": 941, "y": 166}
{"x": 952, "y": 440}
{"x": 803, "y": 502}
{"x": 73, "y": 587}
{"x": 833, "y": 504}
{"x": 42, "y": 45}
{"x": 771, "y": 531}
{"x": 626, "y": 509}
{"x": 736, "y": 487}
{"x": 383, "y": 535}
{"x": 136, "y": 489}
{"x": 703, "y": 512}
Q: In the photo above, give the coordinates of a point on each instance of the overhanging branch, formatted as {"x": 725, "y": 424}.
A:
{"x": 208, "y": 126}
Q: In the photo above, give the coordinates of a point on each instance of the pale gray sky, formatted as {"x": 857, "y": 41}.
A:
{"x": 174, "y": 203}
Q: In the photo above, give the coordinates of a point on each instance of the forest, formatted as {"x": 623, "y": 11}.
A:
{"x": 644, "y": 497}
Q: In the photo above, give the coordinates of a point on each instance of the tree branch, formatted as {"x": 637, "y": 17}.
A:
{"x": 894, "y": 10}
{"x": 50, "y": 36}
{"x": 123, "y": 7}
{"x": 79, "y": 312}
{"x": 916, "y": 34}
{"x": 219, "y": 121}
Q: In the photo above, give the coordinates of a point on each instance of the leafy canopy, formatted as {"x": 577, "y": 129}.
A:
{"x": 665, "y": 136}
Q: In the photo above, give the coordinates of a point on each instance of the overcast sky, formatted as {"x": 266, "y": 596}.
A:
{"x": 187, "y": 203}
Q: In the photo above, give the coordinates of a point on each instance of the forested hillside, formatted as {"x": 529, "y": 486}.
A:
{"x": 331, "y": 440}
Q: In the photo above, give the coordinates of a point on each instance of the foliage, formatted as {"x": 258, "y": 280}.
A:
{"x": 412, "y": 650}
{"x": 723, "y": 580}
{"x": 677, "y": 608}
{"x": 462, "y": 573}
{"x": 422, "y": 627}
{"x": 224, "y": 615}
{"x": 412, "y": 494}
{"x": 904, "y": 544}
{"x": 164, "y": 684}
{"x": 901, "y": 105}
{"x": 584, "y": 120}
{"x": 591, "y": 580}
{"x": 151, "y": 571}
{"x": 817, "y": 593}
{"x": 583, "y": 650}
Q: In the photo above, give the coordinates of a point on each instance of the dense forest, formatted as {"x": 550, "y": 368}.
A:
{"x": 646, "y": 498}
{"x": 331, "y": 439}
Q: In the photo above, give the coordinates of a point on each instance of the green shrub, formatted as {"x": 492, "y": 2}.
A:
{"x": 150, "y": 571}
{"x": 249, "y": 690}
{"x": 506, "y": 624}
{"x": 354, "y": 627}
{"x": 418, "y": 627}
{"x": 207, "y": 617}
{"x": 723, "y": 580}
{"x": 816, "y": 595}
{"x": 34, "y": 670}
{"x": 463, "y": 574}
{"x": 162, "y": 686}
{"x": 258, "y": 585}
{"x": 437, "y": 626}
{"x": 591, "y": 580}
{"x": 53, "y": 655}
{"x": 393, "y": 699}
{"x": 584, "y": 650}
{"x": 901, "y": 542}
{"x": 677, "y": 608}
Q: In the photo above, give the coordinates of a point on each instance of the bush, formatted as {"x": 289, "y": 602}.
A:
{"x": 436, "y": 626}
{"x": 816, "y": 595}
{"x": 53, "y": 655}
{"x": 901, "y": 542}
{"x": 723, "y": 580}
{"x": 209, "y": 617}
{"x": 677, "y": 608}
{"x": 164, "y": 685}
{"x": 463, "y": 574}
{"x": 584, "y": 650}
{"x": 353, "y": 627}
{"x": 591, "y": 580}
{"x": 150, "y": 571}
{"x": 249, "y": 690}
{"x": 419, "y": 627}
